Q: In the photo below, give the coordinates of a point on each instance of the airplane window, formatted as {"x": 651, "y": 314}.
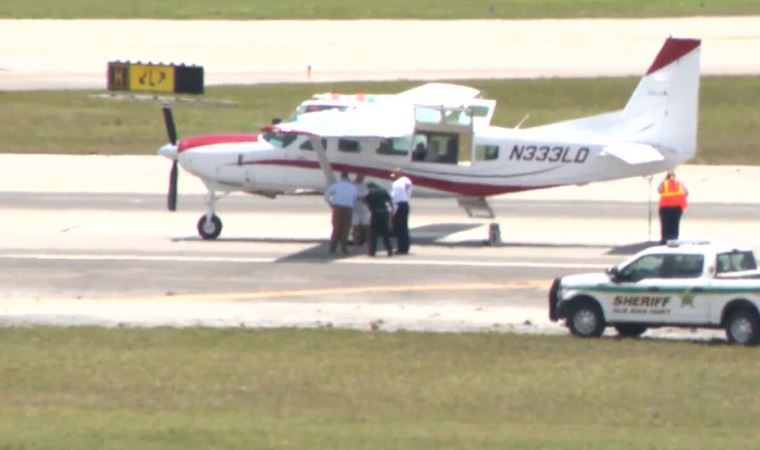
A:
{"x": 479, "y": 111}
{"x": 348, "y": 145}
{"x": 486, "y": 152}
{"x": 457, "y": 117}
{"x": 427, "y": 115}
{"x": 281, "y": 140}
{"x": 306, "y": 145}
{"x": 398, "y": 147}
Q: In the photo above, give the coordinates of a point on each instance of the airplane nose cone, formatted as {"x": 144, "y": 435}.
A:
{"x": 168, "y": 151}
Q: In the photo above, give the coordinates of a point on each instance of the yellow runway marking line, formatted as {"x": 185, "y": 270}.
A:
{"x": 243, "y": 296}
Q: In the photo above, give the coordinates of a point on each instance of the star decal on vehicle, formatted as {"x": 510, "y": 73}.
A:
{"x": 687, "y": 300}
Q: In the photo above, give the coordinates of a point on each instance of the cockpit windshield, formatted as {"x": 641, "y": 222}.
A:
{"x": 280, "y": 140}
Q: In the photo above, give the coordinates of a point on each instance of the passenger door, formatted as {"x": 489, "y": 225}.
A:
{"x": 660, "y": 288}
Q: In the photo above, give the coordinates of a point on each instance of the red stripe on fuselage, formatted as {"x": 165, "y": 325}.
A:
{"x": 213, "y": 139}
{"x": 671, "y": 51}
{"x": 456, "y": 187}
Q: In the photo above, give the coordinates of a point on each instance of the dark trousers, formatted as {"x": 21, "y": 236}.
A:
{"x": 379, "y": 228}
{"x": 401, "y": 227}
{"x": 670, "y": 221}
{"x": 341, "y": 223}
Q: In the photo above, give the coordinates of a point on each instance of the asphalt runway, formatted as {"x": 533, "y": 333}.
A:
{"x": 120, "y": 259}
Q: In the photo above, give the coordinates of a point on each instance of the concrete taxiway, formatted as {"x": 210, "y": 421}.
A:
{"x": 74, "y": 53}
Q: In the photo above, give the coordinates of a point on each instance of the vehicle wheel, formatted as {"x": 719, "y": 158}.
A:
{"x": 630, "y": 330}
{"x": 586, "y": 320}
{"x": 209, "y": 229}
{"x": 742, "y": 327}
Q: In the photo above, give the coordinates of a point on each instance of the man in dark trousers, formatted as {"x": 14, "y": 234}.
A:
{"x": 673, "y": 195}
{"x": 401, "y": 194}
{"x": 380, "y": 206}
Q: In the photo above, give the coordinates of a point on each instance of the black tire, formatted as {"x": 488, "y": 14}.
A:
{"x": 743, "y": 327}
{"x": 209, "y": 229}
{"x": 586, "y": 319}
{"x": 630, "y": 330}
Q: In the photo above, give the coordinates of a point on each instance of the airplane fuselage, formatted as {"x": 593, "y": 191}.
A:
{"x": 498, "y": 161}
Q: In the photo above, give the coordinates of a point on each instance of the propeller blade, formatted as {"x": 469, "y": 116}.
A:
{"x": 171, "y": 198}
{"x": 171, "y": 130}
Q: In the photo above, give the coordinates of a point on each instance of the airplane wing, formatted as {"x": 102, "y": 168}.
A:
{"x": 434, "y": 94}
{"x": 633, "y": 153}
{"x": 370, "y": 121}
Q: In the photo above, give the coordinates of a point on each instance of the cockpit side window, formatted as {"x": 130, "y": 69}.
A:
{"x": 306, "y": 145}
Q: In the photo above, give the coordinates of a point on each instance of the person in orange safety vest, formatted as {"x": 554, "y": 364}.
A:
{"x": 673, "y": 195}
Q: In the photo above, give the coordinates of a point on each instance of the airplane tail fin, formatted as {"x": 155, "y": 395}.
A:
{"x": 661, "y": 114}
{"x": 663, "y": 109}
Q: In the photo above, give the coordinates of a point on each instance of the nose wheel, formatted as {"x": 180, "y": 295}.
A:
{"x": 209, "y": 227}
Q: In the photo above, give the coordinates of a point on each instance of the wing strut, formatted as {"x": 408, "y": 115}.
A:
{"x": 324, "y": 163}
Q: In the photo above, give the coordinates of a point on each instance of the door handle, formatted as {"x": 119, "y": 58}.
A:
{"x": 653, "y": 289}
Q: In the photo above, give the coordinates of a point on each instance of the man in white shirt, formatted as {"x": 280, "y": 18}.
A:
{"x": 401, "y": 193}
{"x": 341, "y": 196}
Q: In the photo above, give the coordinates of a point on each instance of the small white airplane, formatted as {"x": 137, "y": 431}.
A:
{"x": 441, "y": 137}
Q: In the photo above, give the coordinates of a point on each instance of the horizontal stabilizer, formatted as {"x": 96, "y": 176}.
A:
{"x": 633, "y": 153}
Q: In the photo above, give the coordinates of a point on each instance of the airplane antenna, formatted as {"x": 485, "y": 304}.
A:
{"x": 519, "y": 124}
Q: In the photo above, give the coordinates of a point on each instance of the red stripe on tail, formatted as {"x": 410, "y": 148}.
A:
{"x": 672, "y": 50}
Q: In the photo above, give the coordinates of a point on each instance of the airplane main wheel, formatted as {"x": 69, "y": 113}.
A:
{"x": 211, "y": 228}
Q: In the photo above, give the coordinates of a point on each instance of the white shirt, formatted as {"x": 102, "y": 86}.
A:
{"x": 360, "y": 207}
{"x": 401, "y": 190}
{"x": 341, "y": 193}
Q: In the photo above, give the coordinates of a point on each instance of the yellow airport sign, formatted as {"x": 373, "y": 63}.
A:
{"x": 151, "y": 78}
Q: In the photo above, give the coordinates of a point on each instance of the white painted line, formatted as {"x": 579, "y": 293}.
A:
{"x": 248, "y": 259}
{"x": 438, "y": 262}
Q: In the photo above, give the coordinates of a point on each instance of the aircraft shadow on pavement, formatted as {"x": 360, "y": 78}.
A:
{"x": 424, "y": 236}
{"x": 632, "y": 249}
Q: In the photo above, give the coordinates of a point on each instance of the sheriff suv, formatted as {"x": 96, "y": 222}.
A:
{"x": 686, "y": 284}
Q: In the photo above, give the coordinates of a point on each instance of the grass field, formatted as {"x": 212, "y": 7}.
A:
{"x": 78, "y": 122}
{"x": 318, "y": 389}
{"x": 371, "y": 9}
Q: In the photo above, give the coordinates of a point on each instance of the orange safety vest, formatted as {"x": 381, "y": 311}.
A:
{"x": 672, "y": 193}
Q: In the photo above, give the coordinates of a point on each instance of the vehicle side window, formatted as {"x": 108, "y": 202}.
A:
{"x": 735, "y": 261}
{"x": 682, "y": 266}
{"x": 648, "y": 266}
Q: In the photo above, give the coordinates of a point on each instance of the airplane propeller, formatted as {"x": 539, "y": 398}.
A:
{"x": 171, "y": 131}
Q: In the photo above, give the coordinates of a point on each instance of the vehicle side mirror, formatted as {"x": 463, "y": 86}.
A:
{"x": 614, "y": 274}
